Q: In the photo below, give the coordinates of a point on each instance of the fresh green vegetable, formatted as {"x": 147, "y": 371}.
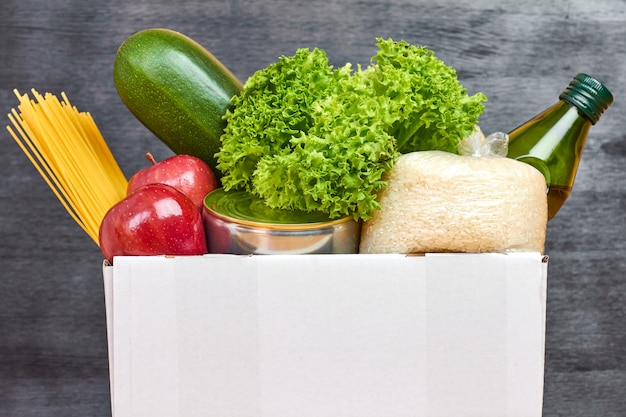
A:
{"x": 432, "y": 109}
{"x": 307, "y": 136}
{"x": 177, "y": 89}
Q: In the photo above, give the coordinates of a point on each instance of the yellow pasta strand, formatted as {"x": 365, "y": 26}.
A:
{"x": 71, "y": 155}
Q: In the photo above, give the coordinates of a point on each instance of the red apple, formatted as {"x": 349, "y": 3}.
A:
{"x": 155, "y": 219}
{"x": 190, "y": 175}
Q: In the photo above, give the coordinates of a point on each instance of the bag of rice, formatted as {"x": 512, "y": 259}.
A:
{"x": 442, "y": 202}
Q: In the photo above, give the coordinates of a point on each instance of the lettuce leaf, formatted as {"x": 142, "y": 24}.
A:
{"x": 305, "y": 135}
{"x": 433, "y": 109}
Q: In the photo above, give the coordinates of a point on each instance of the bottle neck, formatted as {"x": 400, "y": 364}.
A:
{"x": 553, "y": 136}
{"x": 551, "y": 141}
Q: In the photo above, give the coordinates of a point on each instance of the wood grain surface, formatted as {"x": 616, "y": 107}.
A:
{"x": 521, "y": 54}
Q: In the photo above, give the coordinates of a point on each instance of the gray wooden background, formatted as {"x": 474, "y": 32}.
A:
{"x": 521, "y": 54}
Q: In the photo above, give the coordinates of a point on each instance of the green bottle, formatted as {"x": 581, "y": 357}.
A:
{"x": 553, "y": 140}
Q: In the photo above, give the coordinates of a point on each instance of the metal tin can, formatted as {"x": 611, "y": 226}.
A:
{"x": 237, "y": 222}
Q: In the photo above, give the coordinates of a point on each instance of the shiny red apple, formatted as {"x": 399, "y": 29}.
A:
{"x": 156, "y": 219}
{"x": 190, "y": 175}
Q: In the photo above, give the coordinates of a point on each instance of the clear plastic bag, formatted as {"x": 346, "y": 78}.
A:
{"x": 477, "y": 144}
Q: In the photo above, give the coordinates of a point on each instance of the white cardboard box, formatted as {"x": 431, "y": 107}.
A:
{"x": 441, "y": 335}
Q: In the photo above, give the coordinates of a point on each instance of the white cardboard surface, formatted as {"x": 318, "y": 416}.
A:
{"x": 441, "y": 335}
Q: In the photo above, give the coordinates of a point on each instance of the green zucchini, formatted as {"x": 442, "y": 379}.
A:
{"x": 177, "y": 89}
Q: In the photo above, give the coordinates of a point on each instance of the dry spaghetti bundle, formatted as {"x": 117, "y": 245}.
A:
{"x": 69, "y": 152}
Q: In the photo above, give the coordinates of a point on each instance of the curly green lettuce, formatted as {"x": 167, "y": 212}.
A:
{"x": 433, "y": 109}
{"x": 304, "y": 135}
